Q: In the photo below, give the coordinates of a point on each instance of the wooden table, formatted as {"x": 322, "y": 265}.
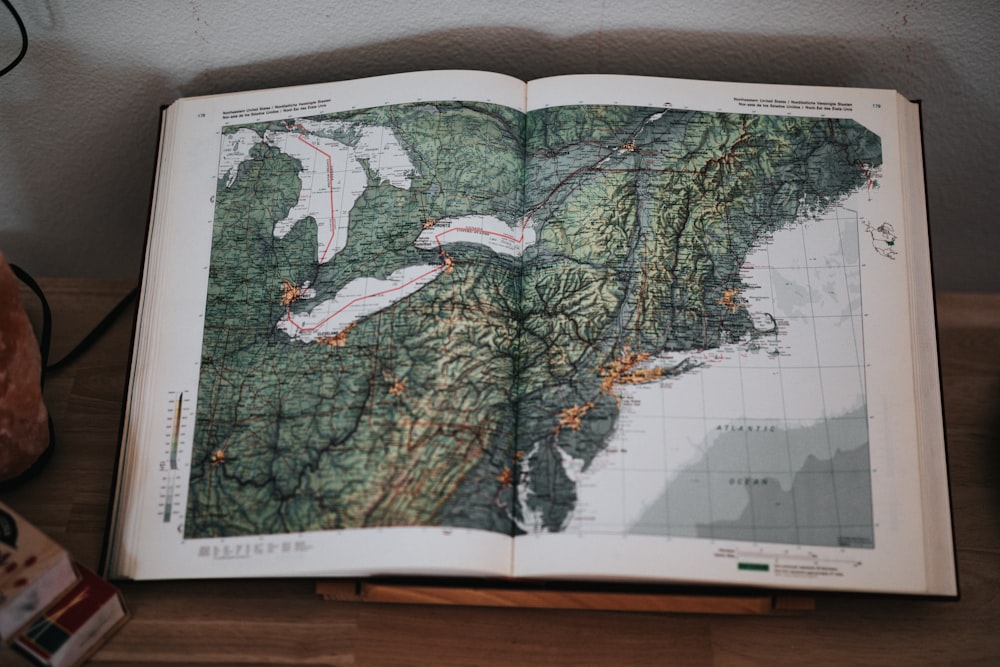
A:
{"x": 281, "y": 622}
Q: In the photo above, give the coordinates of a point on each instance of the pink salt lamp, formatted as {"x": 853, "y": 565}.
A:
{"x": 24, "y": 426}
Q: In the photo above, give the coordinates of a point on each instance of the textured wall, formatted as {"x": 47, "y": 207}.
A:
{"x": 78, "y": 117}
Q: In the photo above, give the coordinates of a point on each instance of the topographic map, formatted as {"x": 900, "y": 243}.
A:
{"x": 459, "y": 315}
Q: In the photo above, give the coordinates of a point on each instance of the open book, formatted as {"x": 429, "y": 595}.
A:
{"x": 588, "y": 327}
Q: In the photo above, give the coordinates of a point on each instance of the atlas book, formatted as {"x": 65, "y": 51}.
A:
{"x": 606, "y": 328}
{"x": 34, "y": 571}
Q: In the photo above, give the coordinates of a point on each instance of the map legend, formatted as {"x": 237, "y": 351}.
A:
{"x": 170, "y": 466}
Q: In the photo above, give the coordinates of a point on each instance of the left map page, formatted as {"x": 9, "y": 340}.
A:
{"x": 329, "y": 361}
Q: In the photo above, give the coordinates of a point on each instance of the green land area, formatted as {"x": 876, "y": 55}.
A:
{"x": 457, "y": 405}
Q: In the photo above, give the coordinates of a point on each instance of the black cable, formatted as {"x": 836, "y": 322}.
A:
{"x": 94, "y": 334}
{"x": 46, "y": 337}
{"x": 44, "y": 345}
{"x": 24, "y": 38}
{"x": 46, "y": 340}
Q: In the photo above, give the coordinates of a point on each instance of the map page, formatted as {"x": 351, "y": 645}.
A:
{"x": 692, "y": 338}
{"x": 592, "y": 318}
{"x": 362, "y": 312}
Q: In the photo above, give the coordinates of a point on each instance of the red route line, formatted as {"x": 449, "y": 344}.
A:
{"x": 524, "y": 222}
{"x": 358, "y": 299}
{"x": 437, "y": 237}
{"x": 329, "y": 177}
{"x": 322, "y": 259}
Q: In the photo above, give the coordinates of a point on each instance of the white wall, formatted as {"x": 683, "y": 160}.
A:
{"x": 78, "y": 117}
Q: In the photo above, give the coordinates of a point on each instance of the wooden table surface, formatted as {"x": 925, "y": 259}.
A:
{"x": 283, "y": 622}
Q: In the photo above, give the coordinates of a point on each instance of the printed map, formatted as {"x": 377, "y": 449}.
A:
{"x": 453, "y": 314}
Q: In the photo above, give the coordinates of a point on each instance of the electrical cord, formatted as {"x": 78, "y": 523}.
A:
{"x": 94, "y": 334}
{"x": 24, "y": 38}
{"x": 45, "y": 341}
{"x": 46, "y": 333}
{"x": 23, "y": 276}
{"x": 27, "y": 280}
{"x": 46, "y": 336}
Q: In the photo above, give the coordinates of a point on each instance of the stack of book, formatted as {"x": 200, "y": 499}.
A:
{"x": 53, "y": 610}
